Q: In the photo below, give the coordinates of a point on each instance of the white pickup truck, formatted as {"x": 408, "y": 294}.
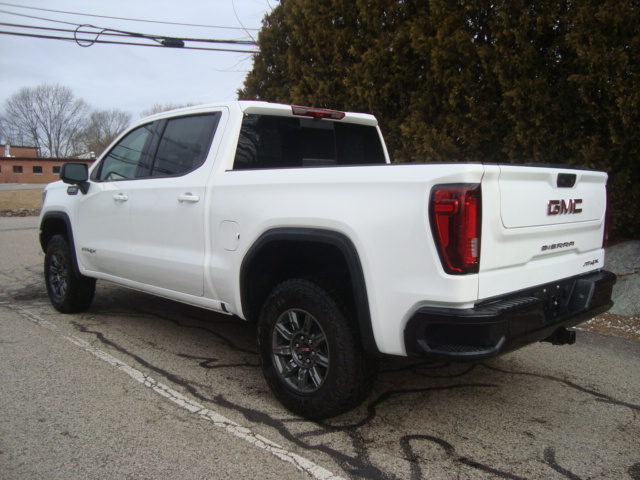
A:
{"x": 293, "y": 218}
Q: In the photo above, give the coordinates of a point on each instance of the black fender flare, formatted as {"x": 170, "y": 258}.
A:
{"x": 328, "y": 237}
{"x": 45, "y": 235}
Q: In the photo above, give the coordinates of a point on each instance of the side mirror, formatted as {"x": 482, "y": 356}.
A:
{"x": 75, "y": 174}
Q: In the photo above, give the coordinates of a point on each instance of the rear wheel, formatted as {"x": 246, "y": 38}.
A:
{"x": 311, "y": 356}
{"x": 68, "y": 291}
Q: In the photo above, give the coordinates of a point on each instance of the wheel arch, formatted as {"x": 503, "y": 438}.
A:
{"x": 58, "y": 223}
{"x": 329, "y": 256}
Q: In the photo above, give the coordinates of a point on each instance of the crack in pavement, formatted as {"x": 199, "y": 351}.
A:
{"x": 205, "y": 362}
{"x": 600, "y": 396}
{"x": 359, "y": 463}
{"x": 550, "y": 458}
{"x": 183, "y": 401}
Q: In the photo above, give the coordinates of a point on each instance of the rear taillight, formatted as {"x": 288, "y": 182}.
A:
{"x": 455, "y": 212}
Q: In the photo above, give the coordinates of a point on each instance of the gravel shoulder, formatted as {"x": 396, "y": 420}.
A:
{"x": 623, "y": 320}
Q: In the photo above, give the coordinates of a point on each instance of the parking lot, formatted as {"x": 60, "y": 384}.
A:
{"x": 142, "y": 387}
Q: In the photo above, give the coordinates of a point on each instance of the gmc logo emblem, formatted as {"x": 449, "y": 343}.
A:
{"x": 562, "y": 207}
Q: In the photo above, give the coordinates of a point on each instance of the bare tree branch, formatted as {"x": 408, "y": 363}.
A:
{"x": 159, "y": 108}
{"x": 102, "y": 128}
{"x": 48, "y": 117}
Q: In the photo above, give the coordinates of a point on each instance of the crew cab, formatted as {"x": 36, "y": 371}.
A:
{"x": 294, "y": 218}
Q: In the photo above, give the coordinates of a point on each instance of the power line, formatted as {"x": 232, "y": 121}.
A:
{"x": 162, "y": 40}
{"x": 38, "y": 18}
{"x": 77, "y": 25}
{"x": 69, "y": 39}
{"x": 123, "y": 18}
{"x": 119, "y": 33}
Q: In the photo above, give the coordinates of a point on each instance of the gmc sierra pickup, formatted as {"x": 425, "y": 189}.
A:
{"x": 295, "y": 219}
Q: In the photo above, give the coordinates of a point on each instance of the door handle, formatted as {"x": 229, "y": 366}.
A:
{"x": 188, "y": 197}
{"x": 120, "y": 197}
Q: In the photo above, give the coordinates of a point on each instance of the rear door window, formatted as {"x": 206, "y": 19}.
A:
{"x": 184, "y": 145}
{"x": 282, "y": 142}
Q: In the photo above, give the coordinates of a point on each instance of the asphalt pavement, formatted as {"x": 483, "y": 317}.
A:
{"x": 142, "y": 387}
{"x": 19, "y": 223}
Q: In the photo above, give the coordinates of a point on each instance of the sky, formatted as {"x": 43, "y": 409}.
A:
{"x": 130, "y": 78}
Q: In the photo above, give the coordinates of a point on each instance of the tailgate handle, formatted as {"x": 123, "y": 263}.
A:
{"x": 566, "y": 180}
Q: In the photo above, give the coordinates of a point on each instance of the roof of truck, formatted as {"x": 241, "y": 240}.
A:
{"x": 266, "y": 108}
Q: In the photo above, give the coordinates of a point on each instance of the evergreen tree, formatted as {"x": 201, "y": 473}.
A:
{"x": 606, "y": 40}
{"x": 550, "y": 81}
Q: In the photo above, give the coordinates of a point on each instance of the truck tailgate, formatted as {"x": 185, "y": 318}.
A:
{"x": 540, "y": 224}
{"x": 531, "y": 197}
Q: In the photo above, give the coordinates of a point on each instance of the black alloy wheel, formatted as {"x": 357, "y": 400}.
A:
{"x": 310, "y": 351}
{"x": 69, "y": 291}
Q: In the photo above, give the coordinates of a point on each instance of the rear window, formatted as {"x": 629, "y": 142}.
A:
{"x": 281, "y": 142}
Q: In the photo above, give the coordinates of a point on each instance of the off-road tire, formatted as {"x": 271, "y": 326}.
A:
{"x": 68, "y": 291}
{"x": 318, "y": 369}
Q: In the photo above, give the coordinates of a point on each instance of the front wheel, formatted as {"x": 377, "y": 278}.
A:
{"x": 68, "y": 291}
{"x": 311, "y": 356}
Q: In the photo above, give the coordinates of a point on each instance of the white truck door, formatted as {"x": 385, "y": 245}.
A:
{"x": 168, "y": 209}
{"x": 103, "y": 228}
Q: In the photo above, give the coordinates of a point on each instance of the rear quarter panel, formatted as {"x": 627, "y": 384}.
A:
{"x": 382, "y": 209}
